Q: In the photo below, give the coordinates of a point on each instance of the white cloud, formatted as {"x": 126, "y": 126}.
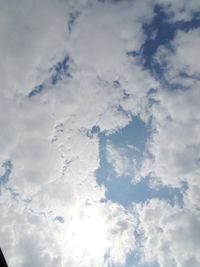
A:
{"x": 46, "y": 136}
{"x": 183, "y": 58}
{"x": 175, "y": 143}
{"x": 54, "y": 158}
{"x": 170, "y": 234}
{"x": 90, "y": 232}
{"x": 30, "y": 32}
{"x": 118, "y": 159}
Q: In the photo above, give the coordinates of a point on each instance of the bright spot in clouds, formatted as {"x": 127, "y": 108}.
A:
{"x": 89, "y": 230}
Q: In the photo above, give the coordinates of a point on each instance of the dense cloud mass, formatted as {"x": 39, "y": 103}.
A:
{"x": 72, "y": 72}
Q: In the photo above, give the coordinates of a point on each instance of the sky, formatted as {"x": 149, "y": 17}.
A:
{"x": 100, "y": 122}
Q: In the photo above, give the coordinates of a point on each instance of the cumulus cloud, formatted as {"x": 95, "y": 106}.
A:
{"x": 180, "y": 61}
{"x": 175, "y": 143}
{"x": 117, "y": 158}
{"x": 99, "y": 234}
{"x": 30, "y": 38}
{"x": 53, "y": 212}
{"x": 65, "y": 69}
{"x": 170, "y": 234}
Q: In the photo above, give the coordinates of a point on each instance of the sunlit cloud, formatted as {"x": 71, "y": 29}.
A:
{"x": 99, "y": 115}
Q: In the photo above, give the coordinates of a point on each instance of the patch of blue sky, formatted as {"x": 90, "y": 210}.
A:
{"x": 132, "y": 141}
{"x": 161, "y": 31}
{"x": 60, "y": 70}
{"x": 120, "y": 188}
{"x": 134, "y": 134}
{"x": 37, "y": 90}
{"x": 195, "y": 76}
{"x": 134, "y": 260}
{"x": 60, "y": 219}
{"x": 57, "y": 72}
{"x": 7, "y": 166}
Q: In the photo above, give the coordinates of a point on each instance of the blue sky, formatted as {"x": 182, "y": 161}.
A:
{"x": 99, "y": 112}
{"x": 7, "y": 166}
{"x": 123, "y": 188}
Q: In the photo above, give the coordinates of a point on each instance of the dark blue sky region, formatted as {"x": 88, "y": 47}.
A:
{"x": 161, "y": 31}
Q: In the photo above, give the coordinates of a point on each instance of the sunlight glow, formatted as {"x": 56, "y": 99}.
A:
{"x": 89, "y": 231}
